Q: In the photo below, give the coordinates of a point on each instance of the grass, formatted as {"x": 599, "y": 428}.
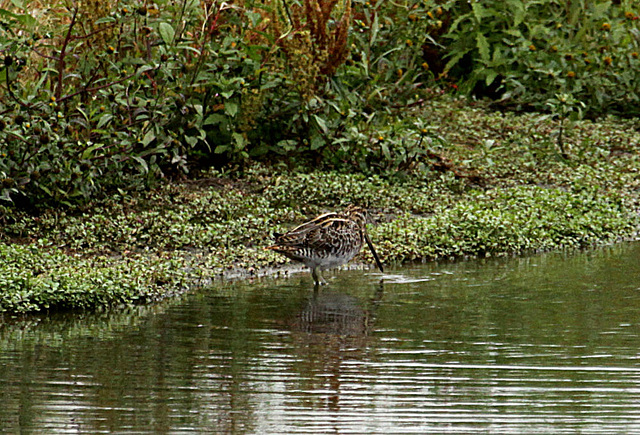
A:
{"x": 497, "y": 185}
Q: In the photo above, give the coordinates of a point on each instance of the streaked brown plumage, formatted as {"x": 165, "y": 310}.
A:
{"x": 330, "y": 240}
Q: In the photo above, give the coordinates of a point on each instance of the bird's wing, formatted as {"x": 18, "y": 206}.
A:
{"x": 298, "y": 235}
{"x": 331, "y": 234}
{"x": 322, "y": 233}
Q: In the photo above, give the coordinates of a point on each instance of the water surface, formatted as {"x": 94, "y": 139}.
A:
{"x": 542, "y": 344}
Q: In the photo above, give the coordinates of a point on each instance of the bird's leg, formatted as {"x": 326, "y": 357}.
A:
{"x": 322, "y": 280}
{"x": 317, "y": 276}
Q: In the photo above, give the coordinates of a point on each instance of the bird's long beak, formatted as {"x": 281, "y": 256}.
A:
{"x": 373, "y": 251}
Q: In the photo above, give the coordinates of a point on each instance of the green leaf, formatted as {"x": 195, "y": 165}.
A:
{"x": 375, "y": 26}
{"x": 385, "y": 151}
{"x": 456, "y": 23}
{"x": 483, "y": 47}
{"x": 454, "y": 60}
{"x": 166, "y": 32}
{"x": 518, "y": 9}
{"x": 83, "y": 113}
{"x": 255, "y": 17}
{"x": 214, "y": 119}
{"x": 316, "y": 142}
{"x": 239, "y": 140}
{"x": 148, "y": 138}
{"x": 497, "y": 60}
{"x": 514, "y": 32}
{"x": 288, "y": 145}
{"x": 480, "y": 12}
{"x": 7, "y": 14}
{"x": 191, "y": 140}
{"x": 491, "y": 75}
{"x": 188, "y": 47}
{"x": 26, "y": 19}
{"x": 145, "y": 167}
{"x": 260, "y": 150}
{"x": 104, "y": 120}
{"x": 221, "y": 149}
{"x": 601, "y": 9}
{"x": 144, "y": 68}
{"x": 230, "y": 108}
{"x": 321, "y": 124}
{"x": 45, "y": 189}
{"x": 105, "y": 20}
{"x": 88, "y": 152}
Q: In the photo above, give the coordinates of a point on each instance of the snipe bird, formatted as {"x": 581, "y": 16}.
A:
{"x": 328, "y": 241}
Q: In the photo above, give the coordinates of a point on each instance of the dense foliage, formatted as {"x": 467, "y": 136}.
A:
{"x": 531, "y": 51}
{"x": 110, "y": 94}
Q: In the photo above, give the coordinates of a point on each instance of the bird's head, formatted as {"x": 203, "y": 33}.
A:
{"x": 360, "y": 215}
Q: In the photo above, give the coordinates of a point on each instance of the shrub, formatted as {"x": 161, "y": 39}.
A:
{"x": 109, "y": 95}
{"x": 530, "y": 52}
{"x": 89, "y": 95}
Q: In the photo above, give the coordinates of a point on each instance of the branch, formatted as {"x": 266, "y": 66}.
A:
{"x": 10, "y": 92}
{"x": 46, "y": 56}
{"x": 63, "y": 53}
{"x": 101, "y": 29}
{"x": 97, "y": 88}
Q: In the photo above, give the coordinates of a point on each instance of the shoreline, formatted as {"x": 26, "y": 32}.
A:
{"x": 516, "y": 198}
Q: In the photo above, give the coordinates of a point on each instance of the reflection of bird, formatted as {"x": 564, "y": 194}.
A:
{"x": 339, "y": 314}
{"x": 333, "y": 313}
{"x": 330, "y": 240}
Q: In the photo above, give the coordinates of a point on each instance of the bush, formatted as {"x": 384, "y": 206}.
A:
{"x": 95, "y": 98}
{"x": 530, "y": 52}
{"x": 109, "y": 95}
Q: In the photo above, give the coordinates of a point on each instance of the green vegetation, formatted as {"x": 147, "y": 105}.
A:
{"x": 112, "y": 94}
{"x": 531, "y": 52}
{"x": 34, "y": 279}
{"x": 513, "y": 196}
{"x": 145, "y": 147}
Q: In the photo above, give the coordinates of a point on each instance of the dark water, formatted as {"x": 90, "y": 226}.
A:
{"x": 544, "y": 344}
